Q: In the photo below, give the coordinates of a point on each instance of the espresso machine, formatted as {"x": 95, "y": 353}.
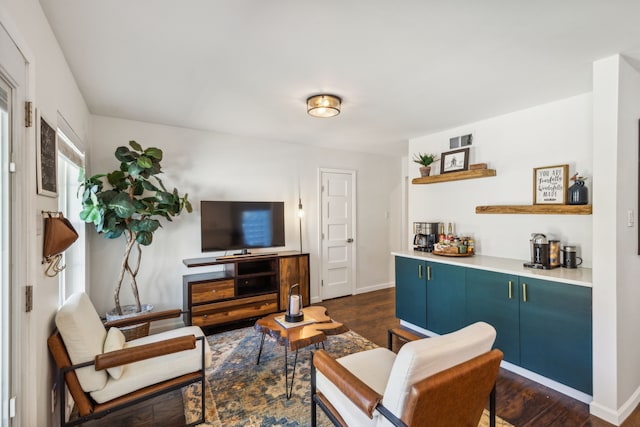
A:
{"x": 545, "y": 253}
{"x": 425, "y": 235}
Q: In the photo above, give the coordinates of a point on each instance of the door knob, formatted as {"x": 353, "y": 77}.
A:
{"x": 349, "y": 240}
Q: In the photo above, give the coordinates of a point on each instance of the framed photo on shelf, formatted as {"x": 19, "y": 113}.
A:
{"x": 550, "y": 185}
{"x": 454, "y": 161}
{"x": 46, "y": 157}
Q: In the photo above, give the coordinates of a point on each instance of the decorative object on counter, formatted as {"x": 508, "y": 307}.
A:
{"x": 570, "y": 259}
{"x": 452, "y": 245}
{"x": 554, "y": 253}
{"x": 550, "y": 185}
{"x": 455, "y": 161}
{"x": 425, "y": 160}
{"x": 578, "y": 193}
{"x": 477, "y": 166}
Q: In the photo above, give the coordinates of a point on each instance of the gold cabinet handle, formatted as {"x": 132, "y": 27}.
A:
{"x": 428, "y": 272}
{"x": 524, "y": 292}
{"x": 419, "y": 271}
{"x": 510, "y": 289}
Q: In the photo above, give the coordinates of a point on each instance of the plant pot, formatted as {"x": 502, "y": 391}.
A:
{"x": 128, "y": 311}
{"x": 425, "y": 170}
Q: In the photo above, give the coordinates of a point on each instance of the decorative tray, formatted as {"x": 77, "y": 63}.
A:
{"x": 449, "y": 254}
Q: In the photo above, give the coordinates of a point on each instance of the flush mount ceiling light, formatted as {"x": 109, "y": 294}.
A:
{"x": 323, "y": 105}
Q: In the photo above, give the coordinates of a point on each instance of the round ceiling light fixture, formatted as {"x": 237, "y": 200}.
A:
{"x": 323, "y": 105}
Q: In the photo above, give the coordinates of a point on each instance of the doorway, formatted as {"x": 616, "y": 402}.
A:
{"x": 13, "y": 76}
{"x": 337, "y": 233}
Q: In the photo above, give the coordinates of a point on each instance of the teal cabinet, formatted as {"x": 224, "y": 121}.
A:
{"x": 556, "y": 332}
{"x": 411, "y": 291}
{"x": 445, "y": 297}
{"x": 494, "y": 298}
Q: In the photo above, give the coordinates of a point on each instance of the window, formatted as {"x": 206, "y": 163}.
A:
{"x": 70, "y": 172}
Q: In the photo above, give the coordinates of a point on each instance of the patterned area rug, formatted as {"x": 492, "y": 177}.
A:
{"x": 250, "y": 395}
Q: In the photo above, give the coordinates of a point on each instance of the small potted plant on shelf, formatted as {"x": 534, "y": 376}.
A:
{"x": 128, "y": 202}
{"x": 425, "y": 160}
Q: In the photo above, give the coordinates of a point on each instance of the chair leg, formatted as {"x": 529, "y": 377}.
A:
{"x": 313, "y": 393}
{"x": 492, "y": 407}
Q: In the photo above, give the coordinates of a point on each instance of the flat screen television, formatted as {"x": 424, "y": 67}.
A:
{"x": 228, "y": 225}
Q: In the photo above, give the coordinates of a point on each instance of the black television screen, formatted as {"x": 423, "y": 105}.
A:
{"x": 241, "y": 225}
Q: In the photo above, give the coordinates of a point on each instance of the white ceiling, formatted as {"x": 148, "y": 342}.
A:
{"x": 403, "y": 68}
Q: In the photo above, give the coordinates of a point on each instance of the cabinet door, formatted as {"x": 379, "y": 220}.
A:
{"x": 411, "y": 291}
{"x": 555, "y": 332}
{"x": 294, "y": 269}
{"x": 494, "y": 298}
{"x": 445, "y": 298}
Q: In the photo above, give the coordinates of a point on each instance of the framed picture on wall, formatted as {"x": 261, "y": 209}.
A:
{"x": 550, "y": 185}
{"x": 454, "y": 161}
{"x": 46, "y": 156}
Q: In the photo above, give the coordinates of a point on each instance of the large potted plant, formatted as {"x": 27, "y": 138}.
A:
{"x": 128, "y": 202}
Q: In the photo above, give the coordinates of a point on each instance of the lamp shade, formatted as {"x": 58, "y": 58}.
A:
{"x": 323, "y": 105}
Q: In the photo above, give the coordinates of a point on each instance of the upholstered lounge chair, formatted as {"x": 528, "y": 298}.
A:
{"x": 105, "y": 373}
{"x": 439, "y": 381}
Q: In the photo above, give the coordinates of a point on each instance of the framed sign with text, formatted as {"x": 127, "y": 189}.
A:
{"x": 550, "y": 185}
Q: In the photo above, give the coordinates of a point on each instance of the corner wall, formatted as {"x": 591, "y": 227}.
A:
{"x": 212, "y": 166}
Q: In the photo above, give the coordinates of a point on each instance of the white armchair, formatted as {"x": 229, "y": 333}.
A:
{"x": 439, "y": 381}
{"x": 105, "y": 373}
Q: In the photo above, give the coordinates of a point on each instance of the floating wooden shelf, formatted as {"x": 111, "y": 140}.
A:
{"x": 455, "y": 176}
{"x": 536, "y": 209}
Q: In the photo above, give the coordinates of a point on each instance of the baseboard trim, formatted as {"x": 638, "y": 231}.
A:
{"x": 374, "y": 288}
{"x": 616, "y": 417}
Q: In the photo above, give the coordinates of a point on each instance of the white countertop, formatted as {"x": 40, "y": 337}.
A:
{"x": 575, "y": 276}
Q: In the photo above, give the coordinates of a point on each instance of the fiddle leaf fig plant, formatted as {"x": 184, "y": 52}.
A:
{"x": 129, "y": 201}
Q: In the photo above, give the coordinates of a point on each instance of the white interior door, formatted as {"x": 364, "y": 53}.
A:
{"x": 337, "y": 233}
{"x": 12, "y": 101}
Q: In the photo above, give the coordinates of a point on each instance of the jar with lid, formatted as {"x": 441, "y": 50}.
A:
{"x": 578, "y": 193}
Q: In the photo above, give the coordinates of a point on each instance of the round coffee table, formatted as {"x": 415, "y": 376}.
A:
{"x": 313, "y": 329}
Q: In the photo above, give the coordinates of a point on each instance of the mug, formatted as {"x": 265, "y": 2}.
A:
{"x": 571, "y": 260}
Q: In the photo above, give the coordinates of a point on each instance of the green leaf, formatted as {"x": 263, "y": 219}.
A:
{"x": 122, "y": 205}
{"x": 144, "y": 162}
{"x": 149, "y": 225}
{"x": 144, "y": 238}
{"x": 113, "y": 234}
{"x": 138, "y": 188}
{"x": 154, "y": 153}
{"x": 123, "y": 154}
{"x": 134, "y": 169}
{"x": 187, "y": 206}
{"x": 135, "y": 145}
{"x": 149, "y": 186}
{"x": 116, "y": 178}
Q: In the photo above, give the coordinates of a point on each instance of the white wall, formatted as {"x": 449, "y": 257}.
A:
{"x": 551, "y": 134}
{"x": 52, "y": 89}
{"x": 616, "y": 272}
{"x": 212, "y": 166}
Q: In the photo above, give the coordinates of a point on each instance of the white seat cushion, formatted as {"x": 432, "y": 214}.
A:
{"x": 420, "y": 359}
{"x": 83, "y": 334}
{"x": 373, "y": 368}
{"x": 152, "y": 371}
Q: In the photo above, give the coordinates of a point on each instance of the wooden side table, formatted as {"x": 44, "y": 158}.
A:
{"x": 297, "y": 337}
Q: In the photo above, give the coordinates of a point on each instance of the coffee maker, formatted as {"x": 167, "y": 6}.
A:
{"x": 425, "y": 235}
{"x": 545, "y": 253}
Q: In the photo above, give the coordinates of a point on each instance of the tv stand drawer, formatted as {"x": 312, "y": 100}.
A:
{"x": 234, "y": 310}
{"x": 211, "y": 291}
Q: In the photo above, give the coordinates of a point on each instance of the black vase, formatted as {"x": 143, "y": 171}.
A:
{"x": 578, "y": 193}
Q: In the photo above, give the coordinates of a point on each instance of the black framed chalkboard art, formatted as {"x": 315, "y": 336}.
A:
{"x": 46, "y": 157}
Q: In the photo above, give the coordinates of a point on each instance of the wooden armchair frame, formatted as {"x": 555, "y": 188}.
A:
{"x": 88, "y": 409}
{"x": 430, "y": 399}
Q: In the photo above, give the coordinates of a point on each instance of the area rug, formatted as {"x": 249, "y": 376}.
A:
{"x": 240, "y": 393}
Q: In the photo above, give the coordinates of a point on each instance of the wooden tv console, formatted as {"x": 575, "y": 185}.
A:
{"x": 242, "y": 287}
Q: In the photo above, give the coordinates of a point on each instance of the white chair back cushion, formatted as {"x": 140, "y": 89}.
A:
{"x": 83, "y": 334}
{"x": 420, "y": 359}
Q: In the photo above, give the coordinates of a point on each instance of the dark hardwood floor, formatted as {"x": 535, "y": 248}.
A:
{"x": 520, "y": 401}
